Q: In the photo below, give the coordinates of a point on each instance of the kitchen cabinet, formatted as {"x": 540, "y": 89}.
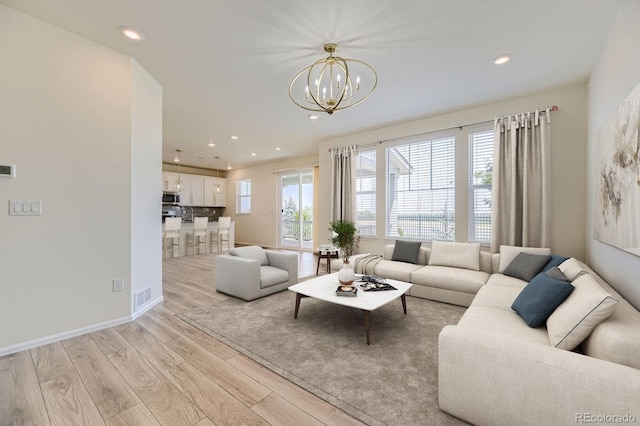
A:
{"x": 168, "y": 178}
{"x": 196, "y": 190}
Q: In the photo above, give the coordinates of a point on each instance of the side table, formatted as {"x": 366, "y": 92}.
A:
{"x": 327, "y": 253}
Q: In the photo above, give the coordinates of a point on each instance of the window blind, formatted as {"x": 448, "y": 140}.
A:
{"x": 366, "y": 193}
{"x": 480, "y": 181}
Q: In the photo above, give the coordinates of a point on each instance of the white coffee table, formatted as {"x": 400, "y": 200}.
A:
{"x": 324, "y": 288}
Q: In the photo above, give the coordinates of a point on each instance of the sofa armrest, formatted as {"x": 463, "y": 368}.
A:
{"x": 286, "y": 261}
{"x": 238, "y": 276}
{"x": 487, "y": 379}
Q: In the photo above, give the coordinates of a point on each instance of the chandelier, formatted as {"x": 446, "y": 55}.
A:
{"x": 178, "y": 186}
{"x": 217, "y": 188}
{"x": 333, "y": 84}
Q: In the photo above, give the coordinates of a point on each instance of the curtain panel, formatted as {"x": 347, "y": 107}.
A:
{"x": 343, "y": 183}
{"x": 521, "y": 193}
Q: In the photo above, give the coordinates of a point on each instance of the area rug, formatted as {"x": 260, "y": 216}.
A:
{"x": 393, "y": 381}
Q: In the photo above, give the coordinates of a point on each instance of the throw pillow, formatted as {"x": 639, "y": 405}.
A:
{"x": 554, "y": 261}
{"x": 556, "y": 274}
{"x": 572, "y": 269}
{"x": 587, "y": 306}
{"x": 406, "y": 251}
{"x": 457, "y": 255}
{"x": 537, "y": 301}
{"x": 508, "y": 253}
{"x": 526, "y": 265}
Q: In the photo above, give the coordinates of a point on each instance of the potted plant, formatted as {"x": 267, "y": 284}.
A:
{"x": 344, "y": 237}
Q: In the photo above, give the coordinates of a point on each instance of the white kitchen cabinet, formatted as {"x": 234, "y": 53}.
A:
{"x": 196, "y": 190}
{"x": 216, "y": 200}
{"x": 167, "y": 180}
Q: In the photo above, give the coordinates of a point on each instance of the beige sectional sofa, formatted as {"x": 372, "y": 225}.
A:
{"x": 495, "y": 369}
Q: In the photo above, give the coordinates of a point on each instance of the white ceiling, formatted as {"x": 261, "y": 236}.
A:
{"x": 225, "y": 65}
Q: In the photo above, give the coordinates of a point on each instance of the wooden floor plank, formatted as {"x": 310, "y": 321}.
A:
{"x": 161, "y": 330}
{"x": 135, "y": 416}
{"x": 109, "y": 340}
{"x": 110, "y": 392}
{"x": 146, "y": 343}
{"x": 51, "y": 361}
{"x": 216, "y": 403}
{"x": 21, "y": 401}
{"x": 241, "y": 386}
{"x": 163, "y": 399}
{"x": 69, "y": 403}
{"x": 205, "y": 422}
{"x": 278, "y": 411}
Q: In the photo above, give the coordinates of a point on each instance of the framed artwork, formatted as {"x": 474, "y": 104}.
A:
{"x": 617, "y": 198}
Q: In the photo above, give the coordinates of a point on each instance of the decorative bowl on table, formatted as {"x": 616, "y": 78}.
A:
{"x": 346, "y": 276}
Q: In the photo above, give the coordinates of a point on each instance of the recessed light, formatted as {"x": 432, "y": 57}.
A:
{"x": 211, "y": 143}
{"x": 278, "y": 148}
{"x": 131, "y": 33}
{"x": 253, "y": 153}
{"x": 228, "y": 166}
{"x": 235, "y": 137}
{"x": 502, "y": 59}
{"x": 312, "y": 116}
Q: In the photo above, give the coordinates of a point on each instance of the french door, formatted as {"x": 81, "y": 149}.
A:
{"x": 296, "y": 213}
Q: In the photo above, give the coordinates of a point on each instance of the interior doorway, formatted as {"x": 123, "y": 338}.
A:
{"x": 296, "y": 211}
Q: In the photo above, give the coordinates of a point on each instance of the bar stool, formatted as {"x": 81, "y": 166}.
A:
{"x": 222, "y": 234}
{"x": 170, "y": 233}
{"x": 199, "y": 234}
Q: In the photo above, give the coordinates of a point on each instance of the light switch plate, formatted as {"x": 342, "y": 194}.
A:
{"x": 25, "y": 207}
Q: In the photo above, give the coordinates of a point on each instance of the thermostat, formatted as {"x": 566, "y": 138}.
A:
{"x": 7, "y": 170}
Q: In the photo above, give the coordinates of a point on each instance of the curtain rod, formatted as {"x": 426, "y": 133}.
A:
{"x": 552, "y": 108}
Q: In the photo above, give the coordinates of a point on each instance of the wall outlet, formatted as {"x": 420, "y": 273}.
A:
{"x": 118, "y": 284}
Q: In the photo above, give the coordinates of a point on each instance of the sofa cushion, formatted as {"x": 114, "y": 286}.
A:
{"x": 456, "y": 279}
{"x": 508, "y": 253}
{"x": 396, "y": 270}
{"x": 587, "y": 306}
{"x": 572, "y": 269}
{"x": 251, "y": 252}
{"x": 457, "y": 255}
{"x": 507, "y": 281}
{"x": 406, "y": 251}
{"x": 537, "y": 301}
{"x": 505, "y": 323}
{"x": 270, "y": 276}
{"x": 526, "y": 266}
{"x": 496, "y": 296}
{"x": 554, "y": 261}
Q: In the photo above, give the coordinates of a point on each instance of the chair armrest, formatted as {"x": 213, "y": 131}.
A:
{"x": 286, "y": 261}
{"x": 238, "y": 276}
{"x": 486, "y": 378}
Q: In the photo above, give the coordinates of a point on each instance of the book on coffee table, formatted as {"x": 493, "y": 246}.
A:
{"x": 345, "y": 290}
{"x": 370, "y": 286}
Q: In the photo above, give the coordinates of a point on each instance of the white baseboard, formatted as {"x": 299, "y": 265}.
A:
{"x": 77, "y": 332}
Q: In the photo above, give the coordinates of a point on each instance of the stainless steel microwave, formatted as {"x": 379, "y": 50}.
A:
{"x": 169, "y": 197}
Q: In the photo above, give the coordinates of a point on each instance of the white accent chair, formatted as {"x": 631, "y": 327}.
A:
{"x": 251, "y": 272}
{"x": 198, "y": 235}
{"x": 171, "y": 233}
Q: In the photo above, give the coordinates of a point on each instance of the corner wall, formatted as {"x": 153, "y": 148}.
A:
{"x": 66, "y": 122}
{"x": 615, "y": 74}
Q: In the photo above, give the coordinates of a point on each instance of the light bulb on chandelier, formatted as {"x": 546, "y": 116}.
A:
{"x": 330, "y": 86}
{"x": 217, "y": 188}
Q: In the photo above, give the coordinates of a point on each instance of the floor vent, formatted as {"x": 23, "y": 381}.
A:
{"x": 142, "y": 297}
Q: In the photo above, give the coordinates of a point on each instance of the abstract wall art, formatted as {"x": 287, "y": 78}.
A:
{"x": 617, "y": 198}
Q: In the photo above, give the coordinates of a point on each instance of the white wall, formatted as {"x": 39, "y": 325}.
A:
{"x": 66, "y": 122}
{"x": 568, "y": 140}
{"x": 260, "y": 227}
{"x": 146, "y": 184}
{"x": 615, "y": 74}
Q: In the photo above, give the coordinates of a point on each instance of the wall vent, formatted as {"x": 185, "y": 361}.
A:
{"x": 141, "y": 298}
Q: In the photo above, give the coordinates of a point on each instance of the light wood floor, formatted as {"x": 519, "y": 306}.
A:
{"x": 156, "y": 370}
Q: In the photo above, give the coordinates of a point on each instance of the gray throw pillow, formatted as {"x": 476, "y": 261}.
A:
{"x": 406, "y": 251}
{"x": 555, "y": 273}
{"x": 526, "y": 265}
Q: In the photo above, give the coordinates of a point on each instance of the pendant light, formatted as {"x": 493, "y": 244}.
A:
{"x": 217, "y": 189}
{"x": 178, "y": 186}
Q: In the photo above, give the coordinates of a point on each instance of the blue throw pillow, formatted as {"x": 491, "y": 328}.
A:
{"x": 537, "y": 301}
{"x": 554, "y": 261}
{"x": 406, "y": 251}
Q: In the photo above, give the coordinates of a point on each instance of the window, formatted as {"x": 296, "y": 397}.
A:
{"x": 366, "y": 193}
{"x": 480, "y": 180}
{"x": 420, "y": 188}
{"x": 243, "y": 196}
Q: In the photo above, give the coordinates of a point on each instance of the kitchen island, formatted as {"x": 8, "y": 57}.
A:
{"x": 187, "y": 228}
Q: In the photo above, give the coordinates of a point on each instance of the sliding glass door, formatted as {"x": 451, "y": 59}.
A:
{"x": 296, "y": 214}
